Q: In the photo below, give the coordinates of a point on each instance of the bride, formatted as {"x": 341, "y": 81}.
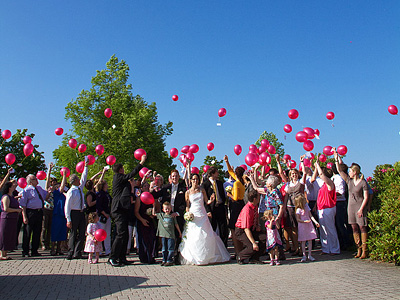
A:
{"x": 200, "y": 244}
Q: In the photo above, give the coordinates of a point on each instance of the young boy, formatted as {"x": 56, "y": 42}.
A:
{"x": 166, "y": 230}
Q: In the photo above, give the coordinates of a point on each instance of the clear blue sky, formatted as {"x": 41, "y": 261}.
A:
{"x": 258, "y": 59}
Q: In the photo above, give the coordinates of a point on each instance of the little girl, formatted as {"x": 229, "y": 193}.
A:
{"x": 306, "y": 230}
{"x": 91, "y": 244}
{"x": 273, "y": 239}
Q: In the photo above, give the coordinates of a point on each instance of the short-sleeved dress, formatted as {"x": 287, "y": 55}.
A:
{"x": 8, "y": 226}
{"x": 306, "y": 231}
{"x": 356, "y": 197}
{"x": 91, "y": 245}
{"x": 292, "y": 192}
{"x": 273, "y": 237}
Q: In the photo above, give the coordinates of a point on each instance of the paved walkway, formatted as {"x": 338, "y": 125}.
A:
{"x": 337, "y": 277}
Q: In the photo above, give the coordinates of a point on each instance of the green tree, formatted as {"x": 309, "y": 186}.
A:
{"x": 212, "y": 161}
{"x": 273, "y": 140}
{"x": 133, "y": 124}
{"x": 23, "y": 166}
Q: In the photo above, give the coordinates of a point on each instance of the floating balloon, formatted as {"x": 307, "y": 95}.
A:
{"x": 327, "y": 150}
{"x": 80, "y": 167}
{"x": 287, "y": 128}
{"x": 173, "y": 152}
{"x": 195, "y": 170}
{"x": 268, "y": 160}
{"x": 205, "y": 168}
{"x": 312, "y": 156}
{"x": 329, "y": 165}
{"x": 271, "y": 149}
{"x": 393, "y": 109}
{"x": 262, "y": 159}
{"x": 41, "y": 175}
{"x": 185, "y": 149}
{"x": 307, "y": 162}
{"x": 143, "y": 172}
{"x": 99, "y": 149}
{"x": 322, "y": 158}
{"x": 244, "y": 167}
{"x": 261, "y": 149}
{"x": 82, "y": 148}
{"x": 310, "y": 132}
{"x": 22, "y": 183}
{"x": 66, "y": 170}
{"x": 308, "y": 145}
{"x": 210, "y": 146}
{"x": 251, "y": 159}
{"x": 287, "y": 157}
{"x": 100, "y": 235}
{"x": 330, "y": 115}
{"x": 190, "y": 156}
{"x": 6, "y": 134}
{"x": 139, "y": 153}
{"x": 147, "y": 198}
{"x": 108, "y": 112}
{"x": 253, "y": 148}
{"x": 91, "y": 159}
{"x": 301, "y": 136}
{"x": 237, "y": 149}
{"x": 110, "y": 160}
{"x": 194, "y": 148}
{"x": 264, "y": 143}
{"x": 28, "y": 149}
{"x": 266, "y": 169}
{"x": 10, "y": 159}
{"x": 316, "y": 132}
{"x": 182, "y": 158}
{"x": 73, "y": 143}
{"x": 59, "y": 131}
{"x": 175, "y": 97}
{"x": 293, "y": 114}
{"x": 27, "y": 139}
{"x": 292, "y": 164}
{"x": 342, "y": 150}
{"x": 221, "y": 112}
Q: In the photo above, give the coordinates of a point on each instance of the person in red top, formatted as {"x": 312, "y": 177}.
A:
{"x": 326, "y": 204}
{"x": 247, "y": 231}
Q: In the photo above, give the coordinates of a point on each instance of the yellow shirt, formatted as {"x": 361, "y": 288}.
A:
{"x": 238, "y": 188}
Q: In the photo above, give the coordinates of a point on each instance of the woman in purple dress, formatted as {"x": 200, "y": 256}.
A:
{"x": 8, "y": 219}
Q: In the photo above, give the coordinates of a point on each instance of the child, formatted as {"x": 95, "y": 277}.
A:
{"x": 91, "y": 244}
{"x": 306, "y": 230}
{"x": 166, "y": 230}
{"x": 273, "y": 239}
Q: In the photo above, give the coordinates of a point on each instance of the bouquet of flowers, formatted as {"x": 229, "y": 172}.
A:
{"x": 228, "y": 189}
{"x": 188, "y": 216}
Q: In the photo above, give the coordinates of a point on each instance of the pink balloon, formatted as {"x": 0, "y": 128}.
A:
{"x": 41, "y": 175}
{"x": 329, "y": 165}
{"x": 308, "y": 145}
{"x": 147, "y": 198}
{"x": 287, "y": 157}
{"x": 6, "y": 134}
{"x": 91, "y": 159}
{"x": 182, "y": 158}
{"x": 341, "y": 150}
{"x": 173, "y": 152}
{"x": 266, "y": 169}
{"x": 244, "y": 167}
{"x": 108, "y": 112}
{"x": 190, "y": 156}
{"x": 66, "y": 170}
{"x": 237, "y": 149}
{"x": 28, "y": 149}
{"x": 175, "y": 97}
{"x": 250, "y": 159}
{"x": 210, "y": 146}
{"x": 221, "y": 112}
{"x": 393, "y": 109}
{"x": 10, "y": 159}
{"x": 205, "y": 168}
{"x": 287, "y": 128}
{"x": 110, "y": 160}
{"x": 185, "y": 149}
{"x": 268, "y": 160}
{"x": 310, "y": 132}
{"x": 264, "y": 143}
{"x": 22, "y": 183}
{"x": 139, "y": 153}
{"x": 316, "y": 132}
{"x": 292, "y": 164}
{"x": 322, "y": 158}
{"x": 195, "y": 170}
{"x": 327, "y": 150}
{"x": 99, "y": 150}
{"x": 312, "y": 156}
{"x": 59, "y": 131}
{"x": 80, "y": 166}
{"x": 307, "y": 162}
{"x": 27, "y": 139}
{"x": 73, "y": 143}
{"x": 301, "y": 136}
{"x": 261, "y": 149}
{"x": 82, "y": 148}
{"x": 271, "y": 149}
{"x": 330, "y": 115}
{"x": 293, "y": 114}
{"x": 262, "y": 159}
{"x": 194, "y": 148}
{"x": 253, "y": 148}
{"x": 143, "y": 172}
{"x": 100, "y": 235}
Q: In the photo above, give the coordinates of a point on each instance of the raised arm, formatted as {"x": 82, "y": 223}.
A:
{"x": 5, "y": 178}
{"x": 254, "y": 184}
{"x": 327, "y": 180}
{"x": 102, "y": 172}
{"x": 63, "y": 182}
{"x": 281, "y": 173}
{"x": 229, "y": 167}
{"x": 51, "y": 165}
{"x": 338, "y": 161}
{"x": 303, "y": 178}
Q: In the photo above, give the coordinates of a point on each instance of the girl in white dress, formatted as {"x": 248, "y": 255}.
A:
{"x": 200, "y": 244}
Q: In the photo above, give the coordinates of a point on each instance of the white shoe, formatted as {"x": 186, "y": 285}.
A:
{"x": 303, "y": 259}
{"x": 310, "y": 258}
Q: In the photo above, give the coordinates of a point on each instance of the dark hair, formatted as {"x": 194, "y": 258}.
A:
{"x": 273, "y": 171}
{"x": 117, "y": 167}
{"x": 89, "y": 185}
{"x": 239, "y": 171}
{"x": 195, "y": 174}
{"x": 212, "y": 171}
{"x": 6, "y": 187}
{"x": 253, "y": 194}
{"x": 91, "y": 217}
{"x": 334, "y": 169}
{"x": 227, "y": 175}
{"x": 101, "y": 185}
{"x": 343, "y": 168}
{"x": 327, "y": 172}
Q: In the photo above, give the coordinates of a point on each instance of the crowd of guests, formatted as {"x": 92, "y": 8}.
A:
{"x": 276, "y": 212}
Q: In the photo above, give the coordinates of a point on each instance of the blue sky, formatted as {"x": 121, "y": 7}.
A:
{"x": 257, "y": 59}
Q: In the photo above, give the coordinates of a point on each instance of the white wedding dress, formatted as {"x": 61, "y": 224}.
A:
{"x": 200, "y": 244}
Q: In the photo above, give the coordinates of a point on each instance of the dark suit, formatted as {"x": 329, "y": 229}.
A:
{"x": 218, "y": 210}
{"x": 120, "y": 208}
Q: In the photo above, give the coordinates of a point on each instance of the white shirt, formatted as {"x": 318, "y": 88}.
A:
{"x": 174, "y": 190}
{"x": 75, "y": 200}
{"x": 340, "y": 187}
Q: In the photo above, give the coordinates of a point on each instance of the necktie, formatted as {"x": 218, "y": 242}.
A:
{"x": 40, "y": 196}
{"x": 215, "y": 193}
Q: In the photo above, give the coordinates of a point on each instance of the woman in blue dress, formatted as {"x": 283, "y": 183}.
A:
{"x": 59, "y": 223}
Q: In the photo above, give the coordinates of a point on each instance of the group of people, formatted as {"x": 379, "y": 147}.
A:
{"x": 191, "y": 219}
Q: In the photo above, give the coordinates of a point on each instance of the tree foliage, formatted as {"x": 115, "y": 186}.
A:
{"x": 212, "y": 161}
{"x": 273, "y": 140}
{"x": 133, "y": 124}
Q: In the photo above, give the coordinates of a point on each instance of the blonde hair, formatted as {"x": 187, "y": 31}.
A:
{"x": 268, "y": 214}
{"x": 300, "y": 202}
{"x": 92, "y": 217}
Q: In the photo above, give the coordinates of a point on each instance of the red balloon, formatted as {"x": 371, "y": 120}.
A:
{"x": 27, "y": 139}
{"x": 301, "y": 136}
{"x": 210, "y": 146}
{"x": 10, "y": 159}
{"x": 271, "y": 149}
{"x": 287, "y": 157}
{"x": 173, "y": 152}
{"x": 108, "y": 112}
{"x": 175, "y": 97}
{"x": 292, "y": 164}
{"x": 341, "y": 150}
{"x": 316, "y": 132}
{"x": 182, "y": 158}
{"x": 329, "y": 165}
{"x": 205, "y": 168}
{"x": 6, "y": 134}
{"x": 393, "y": 109}
{"x": 312, "y": 156}
{"x": 237, "y": 149}
{"x": 262, "y": 159}
{"x": 22, "y": 183}
{"x": 307, "y": 162}
{"x": 195, "y": 170}
{"x": 221, "y": 112}
{"x": 253, "y": 148}
{"x": 99, "y": 149}
{"x": 147, "y": 198}
{"x": 264, "y": 143}
{"x": 91, "y": 159}
{"x": 80, "y": 166}
{"x": 139, "y": 153}
{"x": 308, "y": 145}
{"x": 266, "y": 169}
{"x": 287, "y": 128}
{"x": 190, "y": 156}
{"x": 110, "y": 160}
{"x": 330, "y": 115}
{"x": 73, "y": 143}
{"x": 327, "y": 150}
{"x": 41, "y": 175}
{"x": 100, "y": 235}
{"x": 143, "y": 172}
{"x": 293, "y": 114}
{"x": 310, "y": 132}
{"x": 251, "y": 159}
{"x": 82, "y": 148}
{"x": 261, "y": 149}
{"x": 28, "y": 149}
{"x": 185, "y": 149}
{"x": 322, "y": 158}
{"x": 244, "y": 167}
{"x": 194, "y": 148}
{"x": 268, "y": 160}
{"x": 59, "y": 131}
{"x": 66, "y": 170}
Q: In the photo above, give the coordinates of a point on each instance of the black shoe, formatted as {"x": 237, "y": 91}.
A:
{"x": 125, "y": 262}
{"x": 114, "y": 263}
{"x": 240, "y": 262}
{"x": 255, "y": 261}
{"x": 25, "y": 254}
{"x": 69, "y": 257}
{"x": 36, "y": 254}
{"x": 168, "y": 264}
{"x": 79, "y": 256}
{"x": 163, "y": 263}
{"x": 233, "y": 257}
